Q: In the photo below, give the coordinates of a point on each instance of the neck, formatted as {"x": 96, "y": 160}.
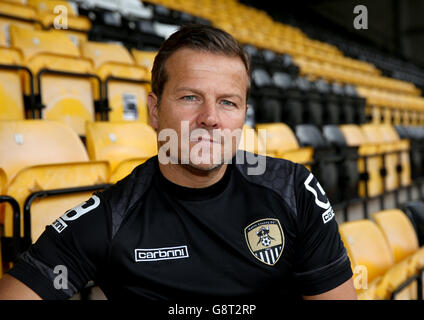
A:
{"x": 188, "y": 176}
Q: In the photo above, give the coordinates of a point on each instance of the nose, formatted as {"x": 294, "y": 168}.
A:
{"x": 208, "y": 117}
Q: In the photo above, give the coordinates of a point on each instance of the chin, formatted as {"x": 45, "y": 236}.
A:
{"x": 205, "y": 167}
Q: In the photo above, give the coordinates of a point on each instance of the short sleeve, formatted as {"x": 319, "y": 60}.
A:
{"x": 69, "y": 252}
{"x": 321, "y": 263}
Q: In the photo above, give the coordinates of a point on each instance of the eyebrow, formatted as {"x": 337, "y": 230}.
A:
{"x": 226, "y": 95}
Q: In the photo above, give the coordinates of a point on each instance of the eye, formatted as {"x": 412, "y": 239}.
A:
{"x": 228, "y": 103}
{"x": 189, "y": 98}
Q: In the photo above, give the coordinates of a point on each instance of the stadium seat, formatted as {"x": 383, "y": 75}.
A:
{"x": 18, "y": 14}
{"x": 67, "y": 90}
{"x": 251, "y": 116}
{"x": 415, "y": 135}
{"x": 402, "y": 239}
{"x": 371, "y": 183}
{"x": 3, "y": 181}
{"x": 126, "y": 85}
{"x": 38, "y": 155}
{"x": 12, "y": 91}
{"x": 402, "y": 146}
{"x": 62, "y": 16}
{"x": 125, "y": 167}
{"x": 249, "y": 141}
{"x": 415, "y": 212}
{"x": 325, "y": 159}
{"x": 347, "y": 167}
{"x": 367, "y": 248}
{"x": 144, "y": 59}
{"x": 374, "y": 134}
{"x": 3, "y": 187}
{"x": 282, "y": 143}
{"x": 32, "y": 142}
{"x": 267, "y": 96}
{"x": 399, "y": 233}
{"x": 119, "y": 141}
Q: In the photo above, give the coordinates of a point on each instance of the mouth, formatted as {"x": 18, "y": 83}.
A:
{"x": 203, "y": 139}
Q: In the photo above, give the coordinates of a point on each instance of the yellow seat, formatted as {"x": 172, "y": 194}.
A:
{"x": 119, "y": 141}
{"x": 5, "y": 24}
{"x": 3, "y": 181}
{"x": 355, "y": 137}
{"x": 11, "y": 87}
{"x": 249, "y": 141}
{"x": 40, "y": 154}
{"x": 375, "y": 136}
{"x": 32, "y": 142}
{"x": 66, "y": 98}
{"x": 390, "y": 136}
{"x": 3, "y": 185}
{"x": 17, "y": 13}
{"x": 401, "y": 236}
{"x": 50, "y": 5}
{"x": 127, "y": 98}
{"x": 48, "y": 177}
{"x": 125, "y": 167}
{"x": 61, "y": 13}
{"x": 144, "y": 59}
{"x": 282, "y": 143}
{"x": 367, "y": 249}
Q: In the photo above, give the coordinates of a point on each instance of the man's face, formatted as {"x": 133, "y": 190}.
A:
{"x": 206, "y": 92}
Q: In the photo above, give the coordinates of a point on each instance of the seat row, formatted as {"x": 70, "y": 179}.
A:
{"x": 282, "y": 97}
{"x": 385, "y": 254}
{"x": 43, "y": 74}
{"x": 41, "y": 155}
{"x": 351, "y": 161}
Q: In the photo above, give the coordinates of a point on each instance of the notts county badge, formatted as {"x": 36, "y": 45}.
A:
{"x": 265, "y": 240}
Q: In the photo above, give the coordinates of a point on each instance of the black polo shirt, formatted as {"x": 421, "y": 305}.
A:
{"x": 145, "y": 237}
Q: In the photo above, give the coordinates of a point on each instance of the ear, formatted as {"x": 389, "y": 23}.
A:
{"x": 152, "y": 104}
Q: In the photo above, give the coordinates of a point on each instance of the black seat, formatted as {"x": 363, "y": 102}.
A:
{"x": 415, "y": 212}
{"x": 347, "y": 114}
{"x": 347, "y": 167}
{"x": 332, "y": 108}
{"x": 267, "y": 97}
{"x": 293, "y": 106}
{"x": 416, "y": 152}
{"x": 325, "y": 159}
{"x": 251, "y": 113}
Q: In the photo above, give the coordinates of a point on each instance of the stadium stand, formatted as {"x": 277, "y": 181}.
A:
{"x": 63, "y": 87}
{"x": 39, "y": 156}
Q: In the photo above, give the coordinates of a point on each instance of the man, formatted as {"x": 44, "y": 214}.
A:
{"x": 194, "y": 224}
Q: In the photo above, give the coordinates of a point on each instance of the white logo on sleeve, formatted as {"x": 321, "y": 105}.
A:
{"x": 329, "y": 212}
{"x": 59, "y": 225}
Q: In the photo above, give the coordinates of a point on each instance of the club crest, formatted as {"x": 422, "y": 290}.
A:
{"x": 265, "y": 239}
